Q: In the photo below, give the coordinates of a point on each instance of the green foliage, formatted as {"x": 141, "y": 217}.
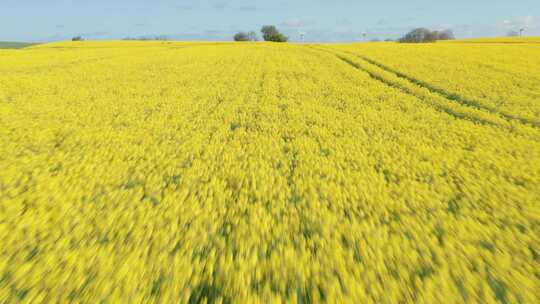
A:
{"x": 271, "y": 33}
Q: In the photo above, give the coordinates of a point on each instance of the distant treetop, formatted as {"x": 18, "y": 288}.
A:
{"x": 243, "y": 36}
{"x": 271, "y": 33}
{"x": 423, "y": 35}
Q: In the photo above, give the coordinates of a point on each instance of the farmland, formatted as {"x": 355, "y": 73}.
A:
{"x": 14, "y": 45}
{"x": 165, "y": 172}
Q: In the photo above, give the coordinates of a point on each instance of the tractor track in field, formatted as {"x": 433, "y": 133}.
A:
{"x": 449, "y": 95}
{"x": 437, "y": 99}
{"x": 410, "y": 92}
{"x": 406, "y": 90}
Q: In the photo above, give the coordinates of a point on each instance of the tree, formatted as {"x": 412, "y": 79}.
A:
{"x": 417, "y": 35}
{"x": 446, "y": 35}
{"x": 271, "y": 33}
{"x": 422, "y": 35}
{"x": 77, "y": 38}
{"x": 241, "y": 36}
{"x": 431, "y": 36}
{"x": 253, "y": 36}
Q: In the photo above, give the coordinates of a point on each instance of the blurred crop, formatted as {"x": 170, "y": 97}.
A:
{"x": 159, "y": 172}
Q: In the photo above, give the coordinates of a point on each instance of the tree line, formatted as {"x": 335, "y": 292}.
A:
{"x": 269, "y": 33}
{"x": 417, "y": 35}
{"x": 424, "y": 35}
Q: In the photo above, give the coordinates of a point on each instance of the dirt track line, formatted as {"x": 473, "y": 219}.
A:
{"x": 410, "y": 92}
{"x": 435, "y": 100}
{"x": 404, "y": 89}
{"x": 449, "y": 95}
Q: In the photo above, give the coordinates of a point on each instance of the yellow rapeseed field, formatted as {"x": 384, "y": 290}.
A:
{"x": 497, "y": 78}
{"x": 165, "y": 172}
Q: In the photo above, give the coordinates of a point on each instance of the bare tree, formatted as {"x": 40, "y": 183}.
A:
{"x": 241, "y": 36}
{"x": 446, "y": 35}
{"x": 418, "y": 35}
{"x": 253, "y": 36}
{"x": 421, "y": 35}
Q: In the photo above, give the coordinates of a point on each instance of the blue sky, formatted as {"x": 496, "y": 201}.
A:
{"x": 338, "y": 20}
